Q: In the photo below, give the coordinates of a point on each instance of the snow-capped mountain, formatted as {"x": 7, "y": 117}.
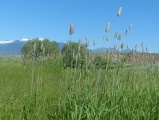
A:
{"x": 14, "y": 47}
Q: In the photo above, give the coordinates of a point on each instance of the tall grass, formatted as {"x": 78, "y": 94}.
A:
{"x": 45, "y": 90}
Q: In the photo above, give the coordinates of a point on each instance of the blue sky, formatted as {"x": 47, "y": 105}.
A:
{"x": 51, "y": 19}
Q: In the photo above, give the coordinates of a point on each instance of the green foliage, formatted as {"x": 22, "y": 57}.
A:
{"x": 35, "y": 48}
{"x": 74, "y": 55}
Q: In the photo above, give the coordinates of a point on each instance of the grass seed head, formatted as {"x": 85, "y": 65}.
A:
{"x": 130, "y": 26}
{"x": 71, "y": 29}
{"x": 104, "y": 37}
{"x": 126, "y": 32}
{"x": 41, "y": 46}
{"x": 119, "y": 11}
{"x": 34, "y": 46}
{"x": 94, "y": 43}
{"x": 142, "y": 44}
{"x": 107, "y": 27}
{"x": 68, "y": 42}
{"x": 86, "y": 37}
{"x": 122, "y": 45}
{"x": 136, "y": 47}
{"x": 108, "y": 37}
{"x": 119, "y": 37}
{"x": 116, "y": 35}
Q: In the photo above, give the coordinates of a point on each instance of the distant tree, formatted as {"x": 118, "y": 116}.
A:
{"x": 74, "y": 54}
{"x": 35, "y": 48}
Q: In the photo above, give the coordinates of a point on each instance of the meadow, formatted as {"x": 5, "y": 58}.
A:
{"x": 115, "y": 86}
{"x": 45, "y": 90}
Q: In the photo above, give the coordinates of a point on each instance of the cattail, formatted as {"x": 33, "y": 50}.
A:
{"x": 86, "y": 37}
{"x": 71, "y": 29}
{"x": 41, "y": 46}
{"x": 146, "y": 49}
{"x": 122, "y": 45}
{"x": 79, "y": 47}
{"x": 94, "y": 43}
{"x": 130, "y": 26}
{"x": 119, "y": 11}
{"x": 107, "y": 27}
{"x": 119, "y": 37}
{"x": 108, "y": 37}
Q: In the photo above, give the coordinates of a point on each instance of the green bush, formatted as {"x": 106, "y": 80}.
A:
{"x": 35, "y": 48}
{"x": 74, "y": 55}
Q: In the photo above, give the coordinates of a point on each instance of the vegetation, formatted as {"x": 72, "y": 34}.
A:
{"x": 35, "y": 48}
{"x": 74, "y": 55}
{"x": 67, "y": 88}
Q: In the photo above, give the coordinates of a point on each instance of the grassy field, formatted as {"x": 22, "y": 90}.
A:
{"x": 45, "y": 90}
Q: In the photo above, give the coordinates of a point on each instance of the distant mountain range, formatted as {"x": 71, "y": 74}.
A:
{"x": 14, "y": 47}
{"x": 103, "y": 50}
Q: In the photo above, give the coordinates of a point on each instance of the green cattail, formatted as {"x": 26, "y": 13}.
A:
{"x": 107, "y": 27}
{"x": 71, "y": 29}
{"x": 119, "y": 11}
